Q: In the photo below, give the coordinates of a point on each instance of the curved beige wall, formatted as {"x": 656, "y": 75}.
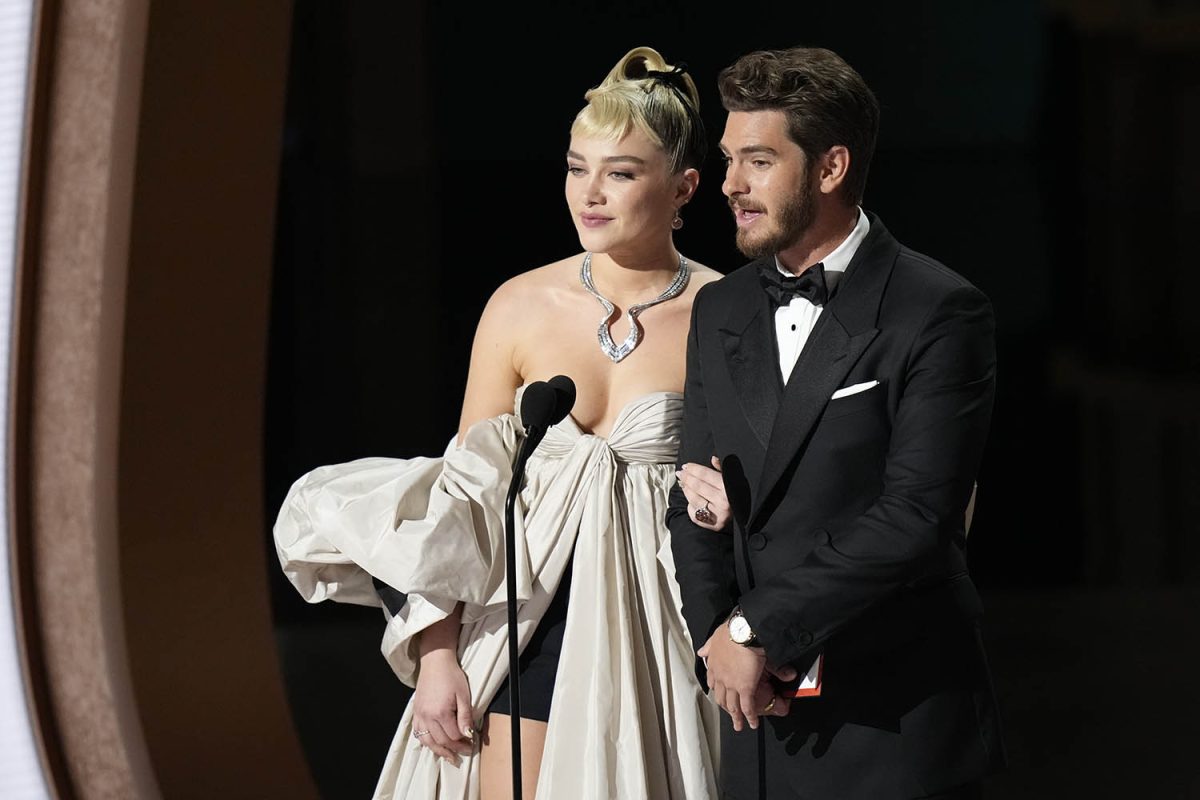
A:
{"x": 137, "y": 424}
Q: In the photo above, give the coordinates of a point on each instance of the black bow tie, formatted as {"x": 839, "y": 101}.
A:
{"x": 809, "y": 284}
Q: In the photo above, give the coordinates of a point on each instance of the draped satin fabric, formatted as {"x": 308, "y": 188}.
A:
{"x": 628, "y": 718}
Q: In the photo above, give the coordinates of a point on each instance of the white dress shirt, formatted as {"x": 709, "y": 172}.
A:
{"x": 795, "y": 321}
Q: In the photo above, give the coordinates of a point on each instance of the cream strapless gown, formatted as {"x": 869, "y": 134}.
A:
{"x": 628, "y": 717}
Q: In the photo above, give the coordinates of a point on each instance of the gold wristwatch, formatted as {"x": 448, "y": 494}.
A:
{"x": 740, "y": 631}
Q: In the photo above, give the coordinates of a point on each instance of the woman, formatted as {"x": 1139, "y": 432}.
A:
{"x": 610, "y": 703}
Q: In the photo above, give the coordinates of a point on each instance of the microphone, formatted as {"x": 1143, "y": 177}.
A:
{"x": 564, "y": 395}
{"x": 544, "y": 403}
{"x": 537, "y": 406}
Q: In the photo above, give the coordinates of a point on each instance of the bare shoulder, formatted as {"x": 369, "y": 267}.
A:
{"x": 535, "y": 288}
{"x": 513, "y": 324}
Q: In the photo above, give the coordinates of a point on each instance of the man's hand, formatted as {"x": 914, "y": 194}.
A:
{"x": 776, "y": 705}
{"x": 737, "y": 676}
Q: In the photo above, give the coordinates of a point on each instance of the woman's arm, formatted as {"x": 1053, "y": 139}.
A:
{"x": 442, "y": 716}
{"x": 493, "y": 377}
{"x": 442, "y": 713}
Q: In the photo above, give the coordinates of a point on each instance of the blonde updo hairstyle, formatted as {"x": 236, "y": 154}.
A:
{"x": 646, "y": 93}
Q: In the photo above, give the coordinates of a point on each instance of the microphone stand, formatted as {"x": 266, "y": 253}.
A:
{"x": 533, "y": 436}
{"x": 544, "y": 404}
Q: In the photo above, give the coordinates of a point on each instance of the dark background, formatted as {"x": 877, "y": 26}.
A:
{"x": 1044, "y": 150}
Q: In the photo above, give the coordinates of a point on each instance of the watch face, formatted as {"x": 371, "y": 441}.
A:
{"x": 739, "y": 630}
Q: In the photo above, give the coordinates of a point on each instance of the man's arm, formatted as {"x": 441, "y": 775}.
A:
{"x": 937, "y": 441}
{"x": 703, "y": 558}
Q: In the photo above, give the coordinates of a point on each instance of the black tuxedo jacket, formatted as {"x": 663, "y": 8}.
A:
{"x": 848, "y": 529}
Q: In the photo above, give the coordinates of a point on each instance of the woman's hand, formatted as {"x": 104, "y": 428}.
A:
{"x": 442, "y": 718}
{"x": 704, "y": 488}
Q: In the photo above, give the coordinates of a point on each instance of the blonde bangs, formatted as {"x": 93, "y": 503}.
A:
{"x": 611, "y": 113}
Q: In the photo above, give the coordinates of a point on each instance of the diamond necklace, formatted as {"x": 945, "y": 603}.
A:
{"x": 604, "y": 332}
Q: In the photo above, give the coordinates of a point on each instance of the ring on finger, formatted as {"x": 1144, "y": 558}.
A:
{"x": 418, "y": 734}
{"x": 705, "y": 515}
{"x": 767, "y": 708}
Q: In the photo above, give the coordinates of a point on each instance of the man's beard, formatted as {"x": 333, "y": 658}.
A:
{"x": 791, "y": 222}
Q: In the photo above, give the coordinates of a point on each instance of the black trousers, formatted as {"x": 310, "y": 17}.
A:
{"x": 765, "y": 783}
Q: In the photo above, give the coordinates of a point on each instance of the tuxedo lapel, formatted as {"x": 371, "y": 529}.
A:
{"x": 842, "y": 333}
{"x": 830, "y": 353}
{"x": 748, "y": 340}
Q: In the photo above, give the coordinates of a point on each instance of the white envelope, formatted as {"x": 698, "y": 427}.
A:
{"x": 855, "y": 389}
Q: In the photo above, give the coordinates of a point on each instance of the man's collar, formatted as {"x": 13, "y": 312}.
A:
{"x": 839, "y": 259}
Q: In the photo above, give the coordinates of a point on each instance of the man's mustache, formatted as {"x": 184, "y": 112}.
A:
{"x": 738, "y": 204}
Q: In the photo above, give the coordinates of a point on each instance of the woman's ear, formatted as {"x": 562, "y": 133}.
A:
{"x": 688, "y": 180}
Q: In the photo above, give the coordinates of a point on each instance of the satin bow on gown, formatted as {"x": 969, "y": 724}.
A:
{"x": 628, "y": 718}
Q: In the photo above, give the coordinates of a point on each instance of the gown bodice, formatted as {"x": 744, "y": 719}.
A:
{"x": 646, "y": 431}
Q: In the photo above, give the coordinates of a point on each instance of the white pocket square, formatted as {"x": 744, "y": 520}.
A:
{"x": 855, "y": 389}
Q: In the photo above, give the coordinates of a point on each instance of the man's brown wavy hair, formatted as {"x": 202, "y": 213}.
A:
{"x": 827, "y": 103}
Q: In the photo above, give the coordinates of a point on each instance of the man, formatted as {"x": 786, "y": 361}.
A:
{"x": 847, "y": 411}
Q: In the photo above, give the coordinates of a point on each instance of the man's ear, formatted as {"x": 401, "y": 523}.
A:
{"x": 834, "y": 166}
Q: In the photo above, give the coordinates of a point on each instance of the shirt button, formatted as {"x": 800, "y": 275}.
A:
{"x": 758, "y": 541}
{"x": 793, "y": 327}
